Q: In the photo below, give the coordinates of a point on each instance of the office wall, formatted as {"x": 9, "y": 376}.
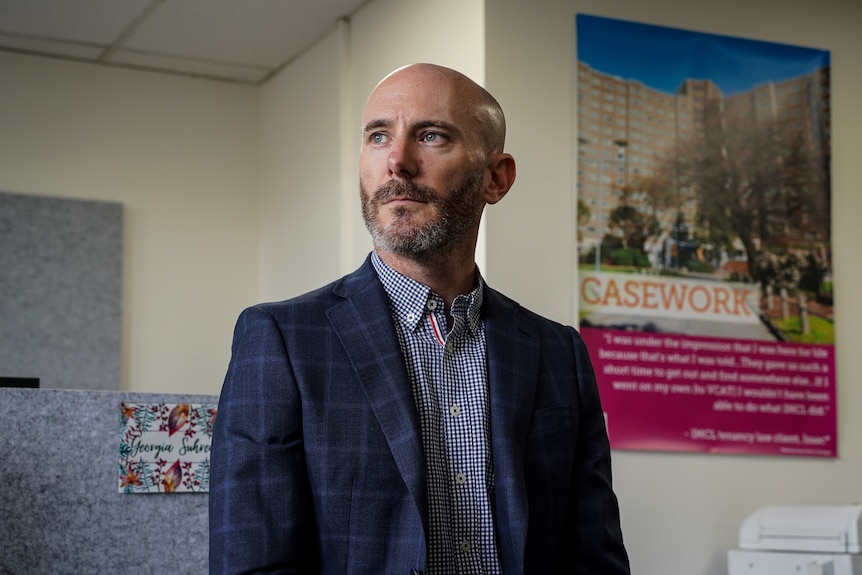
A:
{"x": 680, "y": 512}
{"x": 180, "y": 155}
{"x": 301, "y": 229}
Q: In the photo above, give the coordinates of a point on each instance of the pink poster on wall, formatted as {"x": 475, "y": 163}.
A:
{"x": 704, "y": 229}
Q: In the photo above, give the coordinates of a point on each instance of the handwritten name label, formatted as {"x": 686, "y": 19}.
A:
{"x": 165, "y": 448}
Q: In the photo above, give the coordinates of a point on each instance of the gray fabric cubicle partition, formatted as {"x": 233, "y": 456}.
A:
{"x": 60, "y": 507}
{"x": 60, "y": 290}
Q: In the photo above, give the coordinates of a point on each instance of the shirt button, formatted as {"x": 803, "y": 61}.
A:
{"x": 454, "y": 410}
{"x": 460, "y": 478}
{"x": 465, "y": 546}
{"x": 410, "y": 317}
{"x": 431, "y": 305}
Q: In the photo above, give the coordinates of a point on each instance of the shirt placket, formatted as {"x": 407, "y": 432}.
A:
{"x": 457, "y": 414}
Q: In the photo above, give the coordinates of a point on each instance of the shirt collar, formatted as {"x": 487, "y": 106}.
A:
{"x": 410, "y": 300}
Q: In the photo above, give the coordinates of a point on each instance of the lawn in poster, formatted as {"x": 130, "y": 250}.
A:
{"x": 164, "y": 447}
{"x": 704, "y": 232}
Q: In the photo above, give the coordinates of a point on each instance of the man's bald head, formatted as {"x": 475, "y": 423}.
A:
{"x": 477, "y": 102}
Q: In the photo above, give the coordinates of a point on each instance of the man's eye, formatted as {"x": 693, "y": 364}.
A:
{"x": 432, "y": 137}
{"x": 377, "y": 138}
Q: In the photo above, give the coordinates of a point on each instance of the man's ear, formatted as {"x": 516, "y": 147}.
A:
{"x": 502, "y": 171}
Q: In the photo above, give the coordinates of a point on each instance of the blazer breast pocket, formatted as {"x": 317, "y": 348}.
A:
{"x": 551, "y": 419}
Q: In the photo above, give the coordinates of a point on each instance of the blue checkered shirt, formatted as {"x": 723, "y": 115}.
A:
{"x": 448, "y": 372}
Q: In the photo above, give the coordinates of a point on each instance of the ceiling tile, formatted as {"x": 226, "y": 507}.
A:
{"x": 262, "y": 32}
{"x": 97, "y": 21}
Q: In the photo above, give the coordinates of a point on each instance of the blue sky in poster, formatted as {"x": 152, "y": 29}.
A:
{"x": 662, "y": 58}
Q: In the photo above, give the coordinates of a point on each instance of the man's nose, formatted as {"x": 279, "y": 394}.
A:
{"x": 403, "y": 162}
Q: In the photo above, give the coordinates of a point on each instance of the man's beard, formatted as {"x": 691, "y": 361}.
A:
{"x": 456, "y": 214}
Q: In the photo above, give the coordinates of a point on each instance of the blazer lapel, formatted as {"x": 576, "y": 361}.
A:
{"x": 513, "y": 367}
{"x": 363, "y": 323}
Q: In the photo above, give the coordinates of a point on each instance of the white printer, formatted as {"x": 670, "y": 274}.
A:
{"x": 799, "y": 540}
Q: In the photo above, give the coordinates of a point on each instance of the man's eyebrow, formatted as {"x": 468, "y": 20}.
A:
{"x": 438, "y": 124}
{"x": 375, "y": 124}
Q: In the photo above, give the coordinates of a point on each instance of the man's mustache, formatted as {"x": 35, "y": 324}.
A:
{"x": 400, "y": 189}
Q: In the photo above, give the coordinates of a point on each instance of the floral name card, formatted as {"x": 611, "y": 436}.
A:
{"x": 165, "y": 448}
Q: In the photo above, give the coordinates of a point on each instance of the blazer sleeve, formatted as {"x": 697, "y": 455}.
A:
{"x": 595, "y": 519}
{"x": 260, "y": 514}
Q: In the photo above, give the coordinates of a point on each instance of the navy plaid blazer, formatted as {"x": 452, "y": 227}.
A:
{"x": 317, "y": 462}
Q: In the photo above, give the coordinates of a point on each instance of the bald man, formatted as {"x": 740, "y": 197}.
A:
{"x": 407, "y": 418}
